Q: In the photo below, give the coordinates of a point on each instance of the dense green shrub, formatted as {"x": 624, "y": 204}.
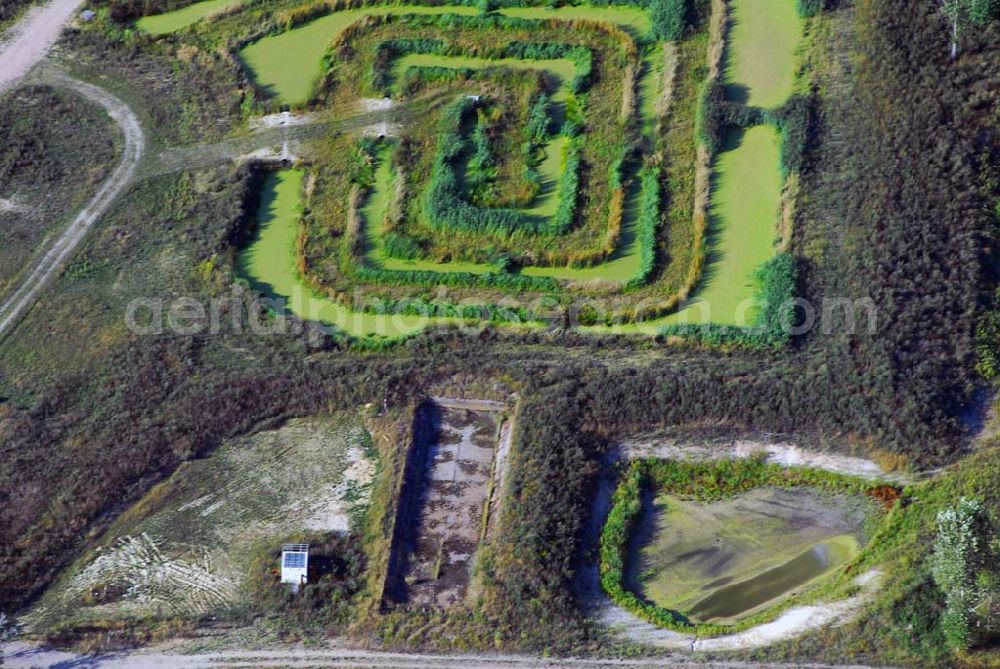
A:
{"x": 536, "y": 130}
{"x": 365, "y": 160}
{"x": 480, "y": 168}
{"x": 431, "y": 278}
{"x": 668, "y": 18}
{"x": 483, "y": 168}
{"x": 982, "y": 11}
{"x": 447, "y": 208}
{"x": 808, "y": 8}
{"x": 774, "y": 318}
{"x": 795, "y": 123}
{"x": 418, "y": 306}
{"x": 386, "y": 52}
{"x": 710, "y": 126}
{"x": 582, "y": 57}
{"x": 569, "y": 191}
{"x": 389, "y": 50}
{"x": 649, "y": 223}
{"x": 336, "y": 575}
{"x": 957, "y": 551}
{"x": 401, "y": 246}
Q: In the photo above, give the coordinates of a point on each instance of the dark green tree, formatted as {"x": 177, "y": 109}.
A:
{"x": 669, "y": 18}
{"x": 962, "y": 13}
{"x": 809, "y": 8}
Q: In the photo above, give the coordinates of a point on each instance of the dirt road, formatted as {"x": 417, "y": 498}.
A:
{"x": 22, "y": 656}
{"x": 252, "y": 146}
{"x": 27, "y": 42}
{"x": 59, "y": 251}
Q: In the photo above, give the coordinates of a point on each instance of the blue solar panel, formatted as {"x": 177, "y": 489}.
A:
{"x": 294, "y": 560}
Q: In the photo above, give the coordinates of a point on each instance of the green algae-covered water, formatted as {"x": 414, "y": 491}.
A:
{"x": 268, "y": 263}
{"x": 741, "y": 598}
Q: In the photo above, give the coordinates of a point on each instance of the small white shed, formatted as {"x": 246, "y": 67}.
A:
{"x": 295, "y": 564}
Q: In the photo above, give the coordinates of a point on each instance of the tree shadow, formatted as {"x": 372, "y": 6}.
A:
{"x": 264, "y": 214}
{"x": 644, "y": 535}
{"x": 426, "y": 430}
{"x": 738, "y": 93}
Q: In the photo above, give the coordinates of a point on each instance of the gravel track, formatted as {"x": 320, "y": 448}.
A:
{"x": 22, "y": 656}
{"x": 27, "y": 42}
{"x": 59, "y": 251}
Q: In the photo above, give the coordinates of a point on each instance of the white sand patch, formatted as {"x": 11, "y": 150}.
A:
{"x": 784, "y": 454}
{"x": 377, "y": 104}
{"x": 280, "y": 120}
{"x": 334, "y": 513}
{"x": 792, "y": 623}
{"x": 191, "y": 554}
{"x": 146, "y": 578}
{"x": 27, "y": 42}
{"x": 285, "y": 152}
{"x": 798, "y": 620}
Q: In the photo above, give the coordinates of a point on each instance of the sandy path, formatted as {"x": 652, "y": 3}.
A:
{"x": 22, "y": 656}
{"x": 30, "y": 39}
{"x": 784, "y": 454}
{"x": 51, "y": 263}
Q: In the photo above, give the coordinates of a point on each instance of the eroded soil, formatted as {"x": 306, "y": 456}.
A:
{"x": 457, "y": 470}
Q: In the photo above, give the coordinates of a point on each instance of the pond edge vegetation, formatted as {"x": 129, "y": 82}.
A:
{"x": 705, "y": 482}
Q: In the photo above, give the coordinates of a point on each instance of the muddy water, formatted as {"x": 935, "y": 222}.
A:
{"x": 740, "y": 598}
{"x": 442, "y": 507}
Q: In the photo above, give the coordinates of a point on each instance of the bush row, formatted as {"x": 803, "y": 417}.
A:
{"x": 795, "y": 122}
{"x": 626, "y": 507}
{"x": 389, "y": 50}
{"x": 582, "y": 57}
{"x": 366, "y": 161}
{"x": 668, "y": 19}
{"x": 649, "y": 223}
{"x": 569, "y": 191}
{"x": 446, "y": 207}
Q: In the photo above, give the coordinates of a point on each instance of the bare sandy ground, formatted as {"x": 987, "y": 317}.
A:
{"x": 784, "y": 454}
{"x": 31, "y": 38}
